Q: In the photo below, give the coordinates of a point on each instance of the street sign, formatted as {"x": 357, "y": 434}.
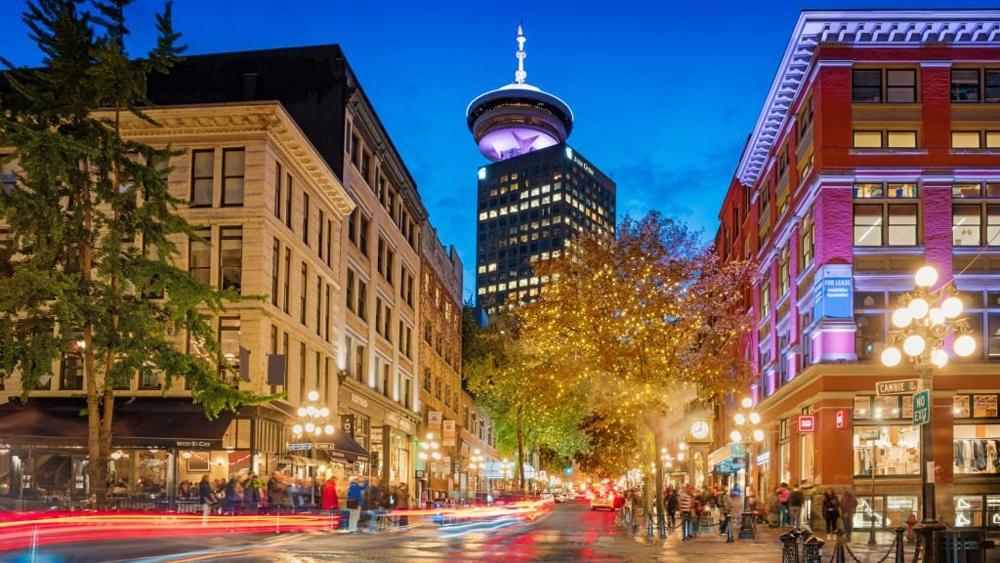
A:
{"x": 841, "y": 419}
{"x": 922, "y": 407}
{"x": 298, "y": 447}
{"x": 898, "y": 387}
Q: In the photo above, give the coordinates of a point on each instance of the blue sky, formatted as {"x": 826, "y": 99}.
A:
{"x": 665, "y": 93}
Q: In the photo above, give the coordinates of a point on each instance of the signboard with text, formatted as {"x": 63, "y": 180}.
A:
{"x": 807, "y": 423}
{"x": 898, "y": 387}
{"x": 434, "y": 422}
{"x": 834, "y": 291}
{"x": 922, "y": 407}
{"x": 448, "y": 434}
{"x": 841, "y": 419}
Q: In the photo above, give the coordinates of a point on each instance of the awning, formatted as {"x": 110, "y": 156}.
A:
{"x": 339, "y": 447}
{"x": 142, "y": 423}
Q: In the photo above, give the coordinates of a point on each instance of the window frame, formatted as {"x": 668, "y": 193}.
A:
{"x": 195, "y": 178}
{"x": 226, "y": 177}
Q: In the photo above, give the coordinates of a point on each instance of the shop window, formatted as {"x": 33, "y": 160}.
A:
{"x": 785, "y": 463}
{"x": 886, "y": 407}
{"x": 977, "y": 511}
{"x": 993, "y": 337}
{"x": 887, "y": 512}
{"x": 886, "y": 450}
{"x": 984, "y": 406}
{"x": 807, "y": 459}
{"x": 961, "y": 407}
{"x": 869, "y": 300}
{"x": 977, "y": 447}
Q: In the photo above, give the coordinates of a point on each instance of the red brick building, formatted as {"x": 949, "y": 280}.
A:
{"x": 876, "y": 151}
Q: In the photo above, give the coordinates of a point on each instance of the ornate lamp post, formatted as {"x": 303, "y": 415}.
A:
{"x": 428, "y": 449}
{"x": 313, "y": 423}
{"x": 746, "y": 416}
{"x": 924, "y": 323}
{"x": 476, "y": 466}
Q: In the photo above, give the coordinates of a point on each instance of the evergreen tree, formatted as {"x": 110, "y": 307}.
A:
{"x": 88, "y": 261}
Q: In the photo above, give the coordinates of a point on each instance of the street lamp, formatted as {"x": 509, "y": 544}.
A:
{"x": 923, "y": 323}
{"x": 747, "y": 416}
{"x": 476, "y": 466}
{"x": 427, "y": 449}
{"x": 313, "y": 422}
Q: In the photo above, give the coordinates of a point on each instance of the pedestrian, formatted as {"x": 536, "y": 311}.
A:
{"x": 330, "y": 500}
{"x": 795, "y": 501}
{"x": 373, "y": 503}
{"x": 782, "y": 493}
{"x": 848, "y": 505}
{"x": 685, "y": 502}
{"x": 735, "y": 505}
{"x": 355, "y": 500}
{"x": 252, "y": 494}
{"x": 234, "y": 494}
{"x": 206, "y": 496}
{"x": 672, "y": 507}
{"x": 277, "y": 491}
{"x": 697, "y": 508}
{"x": 831, "y": 511}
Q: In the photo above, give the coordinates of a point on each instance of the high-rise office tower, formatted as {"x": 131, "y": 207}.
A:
{"x": 536, "y": 195}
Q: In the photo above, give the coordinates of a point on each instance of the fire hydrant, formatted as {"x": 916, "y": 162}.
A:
{"x": 910, "y": 523}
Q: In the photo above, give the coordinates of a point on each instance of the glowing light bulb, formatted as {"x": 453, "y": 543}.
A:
{"x": 758, "y": 435}
{"x": 329, "y": 429}
{"x": 952, "y": 307}
{"x": 939, "y": 357}
{"x": 747, "y": 402}
{"x": 918, "y": 308}
{"x": 754, "y": 418}
{"x": 313, "y": 395}
{"x": 301, "y": 412}
{"x": 736, "y": 436}
{"x": 891, "y": 356}
{"x": 310, "y": 427}
{"x": 926, "y": 276}
{"x": 297, "y": 429}
{"x": 936, "y": 315}
{"x": 740, "y": 419}
{"x": 965, "y": 345}
{"x": 324, "y": 412}
{"x": 914, "y": 345}
{"x": 901, "y": 318}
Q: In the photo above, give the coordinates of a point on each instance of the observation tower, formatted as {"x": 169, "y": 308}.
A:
{"x": 518, "y": 118}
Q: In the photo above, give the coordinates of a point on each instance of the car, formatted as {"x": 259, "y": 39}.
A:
{"x": 559, "y": 497}
{"x": 603, "y": 499}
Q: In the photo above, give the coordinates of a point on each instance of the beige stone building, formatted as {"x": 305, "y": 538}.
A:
{"x": 441, "y": 363}
{"x": 271, "y": 212}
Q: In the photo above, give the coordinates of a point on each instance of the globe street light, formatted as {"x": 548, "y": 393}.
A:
{"x": 427, "y": 448}
{"x": 747, "y": 416}
{"x": 313, "y": 423}
{"x": 924, "y": 323}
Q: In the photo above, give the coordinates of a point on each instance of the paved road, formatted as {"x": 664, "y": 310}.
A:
{"x": 569, "y": 532}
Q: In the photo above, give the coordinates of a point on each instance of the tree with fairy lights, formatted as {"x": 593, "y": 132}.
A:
{"x": 643, "y": 323}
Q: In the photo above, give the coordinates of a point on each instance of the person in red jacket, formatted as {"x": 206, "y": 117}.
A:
{"x": 330, "y": 500}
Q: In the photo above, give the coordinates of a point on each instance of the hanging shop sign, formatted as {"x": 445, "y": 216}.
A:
{"x": 807, "y": 423}
{"x": 448, "y": 434}
{"x": 834, "y": 291}
{"x": 841, "y": 419}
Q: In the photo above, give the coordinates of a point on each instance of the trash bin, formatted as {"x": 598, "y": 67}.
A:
{"x": 961, "y": 546}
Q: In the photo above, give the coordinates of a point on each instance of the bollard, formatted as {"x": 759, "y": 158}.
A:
{"x": 812, "y": 550}
{"x": 790, "y": 546}
{"x": 840, "y": 550}
{"x": 898, "y": 543}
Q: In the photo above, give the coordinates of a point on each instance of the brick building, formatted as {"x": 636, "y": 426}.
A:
{"x": 876, "y": 151}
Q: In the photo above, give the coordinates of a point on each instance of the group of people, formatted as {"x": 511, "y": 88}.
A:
{"x": 835, "y": 510}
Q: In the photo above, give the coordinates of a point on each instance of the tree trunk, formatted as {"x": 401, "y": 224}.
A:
{"x": 661, "y": 509}
{"x": 520, "y": 450}
{"x": 97, "y": 466}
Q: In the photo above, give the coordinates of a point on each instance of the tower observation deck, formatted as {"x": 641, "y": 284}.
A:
{"x": 518, "y": 118}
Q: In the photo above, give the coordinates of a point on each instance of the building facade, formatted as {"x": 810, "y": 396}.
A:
{"x": 441, "y": 364}
{"x": 874, "y": 153}
{"x": 537, "y": 193}
{"x": 255, "y": 243}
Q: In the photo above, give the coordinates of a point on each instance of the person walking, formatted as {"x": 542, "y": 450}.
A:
{"x": 686, "y": 503}
{"x": 795, "y": 501}
{"x": 783, "y": 494}
{"x": 234, "y": 497}
{"x": 252, "y": 494}
{"x": 831, "y": 511}
{"x": 848, "y": 506}
{"x": 206, "y": 496}
{"x": 330, "y": 502}
{"x": 355, "y": 500}
{"x": 672, "y": 507}
{"x": 373, "y": 503}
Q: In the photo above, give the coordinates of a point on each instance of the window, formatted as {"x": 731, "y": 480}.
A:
{"x": 329, "y": 243}
{"x": 288, "y": 359}
{"x": 386, "y": 379}
{"x": 765, "y": 300}
{"x": 229, "y": 344}
{"x": 867, "y": 191}
{"x": 288, "y": 200}
{"x": 867, "y": 139}
{"x": 352, "y": 226}
{"x": 302, "y": 372}
{"x": 326, "y": 318}
{"x": 350, "y": 291}
{"x": 993, "y": 337}
{"x": 807, "y": 456}
{"x": 319, "y": 241}
{"x": 869, "y": 335}
{"x": 71, "y": 365}
{"x": 966, "y": 140}
{"x": 303, "y": 293}
{"x": 277, "y": 190}
{"x": 783, "y": 278}
{"x": 275, "y": 271}
{"x": 305, "y": 218}
{"x": 288, "y": 281}
{"x": 362, "y": 300}
{"x": 867, "y": 225}
{"x": 964, "y": 85}
{"x": 232, "y": 176}
{"x": 363, "y": 235}
{"x": 901, "y": 86}
{"x": 200, "y": 255}
{"x": 966, "y": 191}
{"x": 202, "y": 170}
{"x": 805, "y": 118}
{"x": 991, "y": 91}
{"x": 360, "y": 361}
{"x": 886, "y": 450}
{"x": 231, "y": 258}
{"x": 427, "y": 379}
{"x": 901, "y": 139}
{"x": 867, "y": 85}
{"x": 807, "y": 244}
{"x": 319, "y": 303}
{"x": 902, "y": 225}
{"x": 966, "y": 225}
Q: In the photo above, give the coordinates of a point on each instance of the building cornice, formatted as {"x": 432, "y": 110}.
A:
{"x": 874, "y": 28}
{"x": 239, "y": 120}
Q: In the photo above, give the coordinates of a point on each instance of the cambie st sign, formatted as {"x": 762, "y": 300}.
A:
{"x": 898, "y": 387}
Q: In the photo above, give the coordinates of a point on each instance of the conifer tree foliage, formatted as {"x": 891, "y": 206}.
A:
{"x": 643, "y": 324}
{"x": 88, "y": 261}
